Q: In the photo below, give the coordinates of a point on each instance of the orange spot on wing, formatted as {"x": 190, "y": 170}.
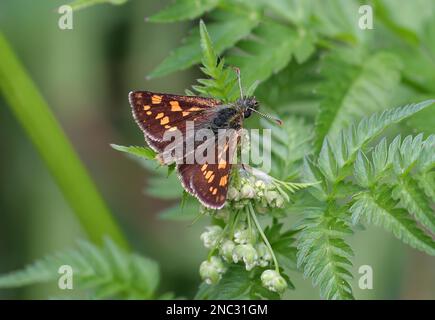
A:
{"x": 211, "y": 179}
{"x": 223, "y": 181}
{"x": 175, "y": 106}
{"x": 165, "y": 120}
{"x": 185, "y": 113}
{"x": 214, "y": 191}
{"x": 204, "y": 166}
{"x": 159, "y": 115}
{"x": 146, "y": 107}
{"x": 149, "y": 113}
{"x": 156, "y": 99}
{"x": 208, "y": 174}
{"x": 195, "y": 109}
{"x": 222, "y": 164}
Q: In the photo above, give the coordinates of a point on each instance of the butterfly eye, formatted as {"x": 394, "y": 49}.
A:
{"x": 247, "y": 113}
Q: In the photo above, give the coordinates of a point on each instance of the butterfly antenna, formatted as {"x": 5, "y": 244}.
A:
{"x": 239, "y": 80}
{"x": 267, "y": 116}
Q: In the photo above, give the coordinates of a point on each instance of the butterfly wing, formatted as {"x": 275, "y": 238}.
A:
{"x": 209, "y": 181}
{"x": 157, "y": 112}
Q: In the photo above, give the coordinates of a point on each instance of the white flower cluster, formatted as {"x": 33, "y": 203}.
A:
{"x": 241, "y": 245}
{"x": 242, "y": 240}
{"x": 251, "y": 189}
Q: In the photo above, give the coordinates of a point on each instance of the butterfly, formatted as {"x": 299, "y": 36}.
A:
{"x": 157, "y": 113}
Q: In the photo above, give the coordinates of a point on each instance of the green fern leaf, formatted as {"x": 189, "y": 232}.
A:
{"x": 181, "y": 10}
{"x": 352, "y": 91}
{"x": 401, "y": 157}
{"x": 426, "y": 182}
{"x": 225, "y": 32}
{"x": 236, "y": 283}
{"x": 291, "y": 143}
{"x": 142, "y": 152}
{"x": 283, "y": 245}
{"x": 336, "y": 18}
{"x": 379, "y": 208}
{"x": 351, "y": 140}
{"x": 82, "y": 4}
{"x": 109, "y": 272}
{"x": 324, "y": 255}
{"x": 292, "y": 88}
{"x": 412, "y": 198}
{"x": 268, "y": 51}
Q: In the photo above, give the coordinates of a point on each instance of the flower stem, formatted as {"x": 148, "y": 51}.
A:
{"x": 266, "y": 242}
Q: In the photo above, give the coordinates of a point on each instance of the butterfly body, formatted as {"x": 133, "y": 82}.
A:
{"x": 159, "y": 113}
{"x": 231, "y": 116}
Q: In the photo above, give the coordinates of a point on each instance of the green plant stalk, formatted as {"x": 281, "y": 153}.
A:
{"x": 263, "y": 236}
{"x": 34, "y": 115}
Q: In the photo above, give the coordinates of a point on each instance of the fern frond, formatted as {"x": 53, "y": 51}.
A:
{"x": 324, "y": 255}
{"x": 352, "y": 91}
{"x": 109, "y": 272}
{"x": 402, "y": 159}
{"x": 292, "y": 88}
{"x": 412, "y": 197}
{"x": 266, "y": 52}
{"x": 141, "y": 152}
{"x": 221, "y": 79}
{"x": 379, "y": 208}
{"x": 291, "y": 143}
{"x": 82, "y": 4}
{"x": 181, "y": 10}
{"x": 225, "y": 32}
{"x": 339, "y": 152}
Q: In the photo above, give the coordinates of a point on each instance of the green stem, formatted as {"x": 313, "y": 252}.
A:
{"x": 34, "y": 115}
{"x": 266, "y": 242}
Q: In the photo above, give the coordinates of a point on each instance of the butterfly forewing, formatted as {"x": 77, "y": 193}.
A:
{"x": 157, "y": 112}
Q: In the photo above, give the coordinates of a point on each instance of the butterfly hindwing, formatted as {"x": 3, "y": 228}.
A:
{"x": 209, "y": 181}
{"x": 157, "y": 112}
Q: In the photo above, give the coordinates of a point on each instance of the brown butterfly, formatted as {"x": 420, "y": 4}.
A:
{"x": 157, "y": 113}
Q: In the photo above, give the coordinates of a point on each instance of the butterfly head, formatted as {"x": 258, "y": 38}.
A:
{"x": 246, "y": 105}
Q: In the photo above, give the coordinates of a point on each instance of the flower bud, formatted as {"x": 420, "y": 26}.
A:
{"x": 260, "y": 185}
{"x": 247, "y": 254}
{"x": 271, "y": 196}
{"x": 247, "y": 192}
{"x": 211, "y": 236}
{"x": 264, "y": 256}
{"x": 243, "y": 235}
{"x": 211, "y": 270}
{"x": 226, "y": 250}
{"x": 279, "y": 202}
{"x": 233, "y": 194}
{"x": 273, "y": 281}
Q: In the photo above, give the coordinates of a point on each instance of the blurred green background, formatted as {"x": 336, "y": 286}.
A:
{"x": 85, "y": 75}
